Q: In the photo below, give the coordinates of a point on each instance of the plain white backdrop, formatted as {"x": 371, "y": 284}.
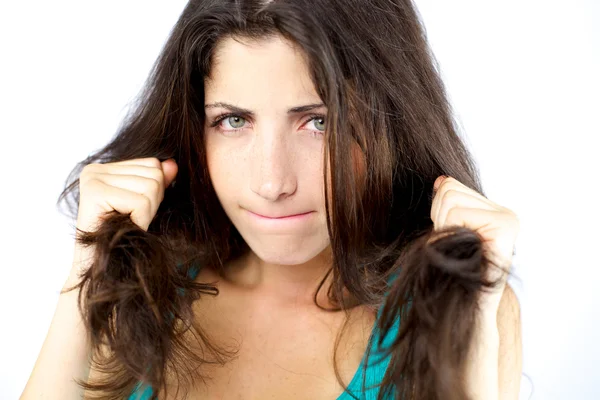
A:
{"x": 523, "y": 76}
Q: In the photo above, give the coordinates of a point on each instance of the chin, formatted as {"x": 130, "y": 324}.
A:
{"x": 288, "y": 252}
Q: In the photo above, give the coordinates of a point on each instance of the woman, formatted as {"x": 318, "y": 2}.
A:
{"x": 316, "y": 228}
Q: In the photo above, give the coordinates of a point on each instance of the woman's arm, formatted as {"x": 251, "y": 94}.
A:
{"x": 495, "y": 362}
{"x": 493, "y": 369}
{"x": 510, "y": 364}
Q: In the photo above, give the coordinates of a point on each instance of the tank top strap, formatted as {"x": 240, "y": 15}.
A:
{"x": 366, "y": 383}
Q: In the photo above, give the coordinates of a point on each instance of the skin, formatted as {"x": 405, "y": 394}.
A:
{"x": 270, "y": 162}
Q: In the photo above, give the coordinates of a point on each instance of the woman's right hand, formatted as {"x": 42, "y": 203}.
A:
{"x": 134, "y": 186}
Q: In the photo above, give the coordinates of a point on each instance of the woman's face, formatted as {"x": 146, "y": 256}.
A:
{"x": 265, "y": 158}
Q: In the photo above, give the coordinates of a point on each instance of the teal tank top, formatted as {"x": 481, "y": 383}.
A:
{"x": 370, "y": 371}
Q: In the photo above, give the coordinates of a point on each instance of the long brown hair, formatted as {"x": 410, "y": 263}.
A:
{"x": 373, "y": 69}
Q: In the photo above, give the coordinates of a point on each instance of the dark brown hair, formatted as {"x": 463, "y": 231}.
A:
{"x": 373, "y": 69}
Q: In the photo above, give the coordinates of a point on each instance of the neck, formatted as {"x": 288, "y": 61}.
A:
{"x": 282, "y": 284}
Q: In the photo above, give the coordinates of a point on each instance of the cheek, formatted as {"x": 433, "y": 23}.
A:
{"x": 220, "y": 170}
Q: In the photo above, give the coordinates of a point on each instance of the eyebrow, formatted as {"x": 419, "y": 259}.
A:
{"x": 239, "y": 110}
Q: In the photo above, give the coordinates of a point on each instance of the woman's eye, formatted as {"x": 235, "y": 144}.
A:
{"x": 235, "y": 121}
{"x": 319, "y": 123}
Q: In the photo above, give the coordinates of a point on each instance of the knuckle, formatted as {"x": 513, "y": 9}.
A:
{"x": 450, "y": 195}
{"x": 154, "y": 161}
{"x": 154, "y": 186}
{"x": 157, "y": 175}
{"x": 91, "y": 185}
{"x": 87, "y": 170}
{"x": 145, "y": 204}
{"x": 452, "y": 212}
{"x": 455, "y": 216}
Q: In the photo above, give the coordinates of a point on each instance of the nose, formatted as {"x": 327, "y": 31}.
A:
{"x": 272, "y": 166}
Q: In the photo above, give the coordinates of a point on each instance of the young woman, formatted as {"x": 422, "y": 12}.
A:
{"x": 289, "y": 213}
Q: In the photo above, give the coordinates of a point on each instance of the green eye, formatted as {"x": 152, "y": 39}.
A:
{"x": 236, "y": 122}
{"x": 320, "y": 123}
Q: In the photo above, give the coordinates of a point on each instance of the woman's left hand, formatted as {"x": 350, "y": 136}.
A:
{"x": 456, "y": 204}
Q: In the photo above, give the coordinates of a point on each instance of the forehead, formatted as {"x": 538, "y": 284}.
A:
{"x": 271, "y": 70}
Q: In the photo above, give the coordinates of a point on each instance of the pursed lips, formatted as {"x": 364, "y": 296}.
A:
{"x": 279, "y": 217}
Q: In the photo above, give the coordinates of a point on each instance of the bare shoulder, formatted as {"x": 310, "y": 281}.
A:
{"x": 510, "y": 347}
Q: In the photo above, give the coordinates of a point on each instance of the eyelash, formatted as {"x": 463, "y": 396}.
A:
{"x": 221, "y": 117}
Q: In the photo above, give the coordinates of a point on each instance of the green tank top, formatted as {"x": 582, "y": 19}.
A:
{"x": 364, "y": 384}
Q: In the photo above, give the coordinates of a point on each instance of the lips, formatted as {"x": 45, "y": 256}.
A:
{"x": 279, "y": 216}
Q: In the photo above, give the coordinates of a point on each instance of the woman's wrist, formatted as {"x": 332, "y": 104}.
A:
{"x": 481, "y": 373}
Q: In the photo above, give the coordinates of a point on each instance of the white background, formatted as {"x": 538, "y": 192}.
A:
{"x": 522, "y": 75}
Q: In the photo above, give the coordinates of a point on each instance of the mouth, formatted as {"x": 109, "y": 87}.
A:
{"x": 281, "y": 224}
{"x": 282, "y": 217}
